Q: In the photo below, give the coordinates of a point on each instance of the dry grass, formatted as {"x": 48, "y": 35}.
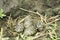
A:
{"x": 48, "y": 31}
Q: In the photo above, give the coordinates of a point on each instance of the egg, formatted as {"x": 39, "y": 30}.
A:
{"x": 19, "y": 28}
{"x": 40, "y": 25}
{"x": 28, "y": 21}
{"x": 30, "y": 31}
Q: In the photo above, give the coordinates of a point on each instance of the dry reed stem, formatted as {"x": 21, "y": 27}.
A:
{"x": 31, "y": 11}
{"x": 52, "y": 21}
{"x": 53, "y": 17}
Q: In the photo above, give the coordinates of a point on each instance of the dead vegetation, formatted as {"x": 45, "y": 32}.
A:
{"x": 30, "y": 25}
{"x": 30, "y": 20}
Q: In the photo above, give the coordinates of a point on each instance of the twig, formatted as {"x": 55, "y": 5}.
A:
{"x": 34, "y": 13}
{"x": 30, "y": 11}
{"x": 53, "y": 17}
{"x": 52, "y": 21}
{"x": 40, "y": 35}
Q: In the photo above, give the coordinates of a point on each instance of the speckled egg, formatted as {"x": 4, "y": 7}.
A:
{"x": 28, "y": 22}
{"x": 30, "y": 31}
{"x": 19, "y": 28}
{"x": 40, "y": 25}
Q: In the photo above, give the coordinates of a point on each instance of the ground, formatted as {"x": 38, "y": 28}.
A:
{"x": 30, "y": 20}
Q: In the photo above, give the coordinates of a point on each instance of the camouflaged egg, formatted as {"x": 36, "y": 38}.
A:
{"x": 30, "y": 31}
{"x": 40, "y": 25}
{"x": 19, "y": 28}
{"x": 28, "y": 22}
